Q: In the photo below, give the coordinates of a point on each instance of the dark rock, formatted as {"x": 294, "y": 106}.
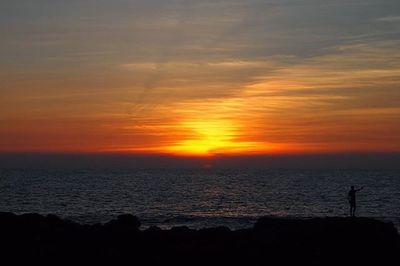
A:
{"x": 54, "y": 220}
{"x": 129, "y": 220}
{"x": 32, "y": 238}
{"x": 180, "y": 229}
{"x": 153, "y": 230}
{"x": 220, "y": 230}
{"x": 124, "y": 222}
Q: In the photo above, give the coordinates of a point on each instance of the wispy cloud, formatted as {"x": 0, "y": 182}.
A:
{"x": 390, "y": 19}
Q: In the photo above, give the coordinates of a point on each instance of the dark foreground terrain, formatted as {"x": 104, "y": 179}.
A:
{"x": 48, "y": 239}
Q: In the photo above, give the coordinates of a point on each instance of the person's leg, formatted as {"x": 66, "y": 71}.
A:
{"x": 354, "y": 209}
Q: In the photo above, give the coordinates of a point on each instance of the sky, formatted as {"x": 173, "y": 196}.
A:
{"x": 200, "y": 78}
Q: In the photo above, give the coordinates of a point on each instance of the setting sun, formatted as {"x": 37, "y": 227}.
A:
{"x": 211, "y": 137}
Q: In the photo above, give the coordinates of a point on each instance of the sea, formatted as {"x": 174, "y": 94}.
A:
{"x": 199, "y": 198}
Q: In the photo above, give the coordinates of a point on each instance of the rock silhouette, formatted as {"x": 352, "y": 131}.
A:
{"x": 33, "y": 238}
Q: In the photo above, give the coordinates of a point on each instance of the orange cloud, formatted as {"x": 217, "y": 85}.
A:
{"x": 346, "y": 100}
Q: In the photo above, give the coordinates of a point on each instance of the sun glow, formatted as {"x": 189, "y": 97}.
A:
{"x": 210, "y": 138}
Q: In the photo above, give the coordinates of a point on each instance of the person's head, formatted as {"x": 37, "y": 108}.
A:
{"x": 352, "y": 187}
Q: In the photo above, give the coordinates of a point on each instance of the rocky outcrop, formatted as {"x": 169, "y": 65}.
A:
{"x": 33, "y": 238}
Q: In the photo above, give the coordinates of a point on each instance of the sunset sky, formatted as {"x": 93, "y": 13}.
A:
{"x": 202, "y": 78}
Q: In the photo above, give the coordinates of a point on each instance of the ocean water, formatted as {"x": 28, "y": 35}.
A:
{"x": 199, "y": 197}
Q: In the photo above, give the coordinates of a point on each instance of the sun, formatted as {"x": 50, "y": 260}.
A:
{"x": 211, "y": 137}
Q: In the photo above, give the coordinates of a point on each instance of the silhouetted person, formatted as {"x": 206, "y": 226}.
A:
{"x": 352, "y": 200}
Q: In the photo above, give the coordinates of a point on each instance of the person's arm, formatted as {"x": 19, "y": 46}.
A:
{"x": 360, "y": 189}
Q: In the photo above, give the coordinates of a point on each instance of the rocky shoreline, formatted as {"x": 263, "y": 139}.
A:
{"x": 33, "y": 238}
